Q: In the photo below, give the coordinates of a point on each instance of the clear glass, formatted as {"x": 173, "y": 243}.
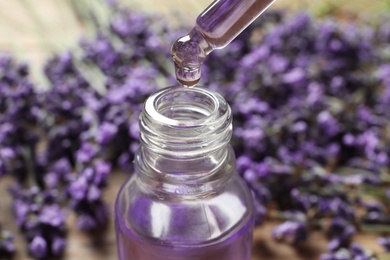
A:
{"x": 215, "y": 28}
{"x": 185, "y": 199}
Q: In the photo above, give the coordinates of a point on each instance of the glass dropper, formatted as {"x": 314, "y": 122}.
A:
{"x": 215, "y": 28}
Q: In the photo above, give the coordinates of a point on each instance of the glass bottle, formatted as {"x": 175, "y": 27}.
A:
{"x": 185, "y": 199}
{"x": 215, "y": 28}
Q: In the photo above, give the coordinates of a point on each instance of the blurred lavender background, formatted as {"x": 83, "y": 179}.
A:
{"x": 34, "y": 31}
{"x": 309, "y": 90}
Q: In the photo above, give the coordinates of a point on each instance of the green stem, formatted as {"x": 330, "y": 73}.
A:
{"x": 27, "y": 157}
{"x": 32, "y": 12}
{"x": 375, "y": 228}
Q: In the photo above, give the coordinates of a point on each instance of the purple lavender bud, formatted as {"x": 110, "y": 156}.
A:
{"x": 50, "y": 196}
{"x": 260, "y": 211}
{"x": 243, "y": 163}
{"x": 250, "y": 175}
{"x": 134, "y": 147}
{"x": 388, "y": 193}
{"x": 86, "y": 153}
{"x": 332, "y": 150}
{"x": 374, "y": 206}
{"x": 77, "y": 189}
{"x": 382, "y": 158}
{"x": 32, "y": 192}
{"x": 102, "y": 171}
{"x": 328, "y": 123}
{"x": 295, "y": 77}
{"x": 278, "y": 63}
{"x": 51, "y": 180}
{"x": 117, "y": 96}
{"x": 334, "y": 244}
{"x": 342, "y": 254}
{"x": 86, "y": 222}
{"x": 7, "y": 246}
{"x": 262, "y": 169}
{"x": 341, "y": 233}
{"x": 6, "y": 242}
{"x": 88, "y": 173}
{"x": 384, "y": 71}
{"x": 58, "y": 246}
{"x": 337, "y": 83}
{"x": 299, "y": 127}
{"x": 349, "y": 231}
{"x": 21, "y": 210}
{"x": 94, "y": 193}
{"x": 106, "y": 133}
{"x": 385, "y": 243}
{"x": 134, "y": 131}
{"x": 261, "y": 192}
{"x": 5, "y": 130}
{"x": 341, "y": 209}
{"x": 62, "y": 167}
{"x": 35, "y": 207}
{"x": 302, "y": 201}
{"x": 296, "y": 231}
{"x": 253, "y": 106}
{"x": 38, "y": 247}
{"x": 52, "y": 215}
{"x": 102, "y": 214}
{"x": 370, "y": 179}
{"x": 7, "y": 153}
{"x": 337, "y": 226}
{"x": 251, "y": 59}
{"x": 356, "y": 250}
{"x": 315, "y": 95}
{"x": 125, "y": 162}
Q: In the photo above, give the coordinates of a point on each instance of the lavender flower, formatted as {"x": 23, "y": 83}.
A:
{"x": 7, "y": 247}
{"x": 341, "y": 233}
{"x": 52, "y": 215}
{"x": 295, "y": 232}
{"x": 354, "y": 251}
{"x": 385, "y": 243}
{"x": 86, "y": 153}
{"x": 85, "y": 193}
{"x": 42, "y": 221}
{"x": 38, "y": 247}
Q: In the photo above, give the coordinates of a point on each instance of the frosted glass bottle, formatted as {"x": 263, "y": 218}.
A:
{"x": 184, "y": 199}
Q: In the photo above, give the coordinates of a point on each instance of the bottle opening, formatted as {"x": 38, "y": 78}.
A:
{"x": 179, "y": 121}
{"x": 185, "y": 105}
{"x": 180, "y": 106}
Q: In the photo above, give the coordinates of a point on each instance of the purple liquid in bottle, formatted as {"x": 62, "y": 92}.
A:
{"x": 234, "y": 246}
{"x": 184, "y": 200}
{"x": 215, "y": 28}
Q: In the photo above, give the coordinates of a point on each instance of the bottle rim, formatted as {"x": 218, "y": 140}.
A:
{"x": 186, "y": 122}
{"x": 153, "y": 106}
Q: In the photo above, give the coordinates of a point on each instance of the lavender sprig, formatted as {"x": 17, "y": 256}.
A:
{"x": 86, "y": 189}
{"x": 7, "y": 247}
{"x": 41, "y": 219}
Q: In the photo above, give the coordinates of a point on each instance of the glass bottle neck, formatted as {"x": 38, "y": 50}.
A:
{"x": 185, "y": 135}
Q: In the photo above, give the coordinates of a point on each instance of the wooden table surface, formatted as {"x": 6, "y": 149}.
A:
{"x": 82, "y": 246}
